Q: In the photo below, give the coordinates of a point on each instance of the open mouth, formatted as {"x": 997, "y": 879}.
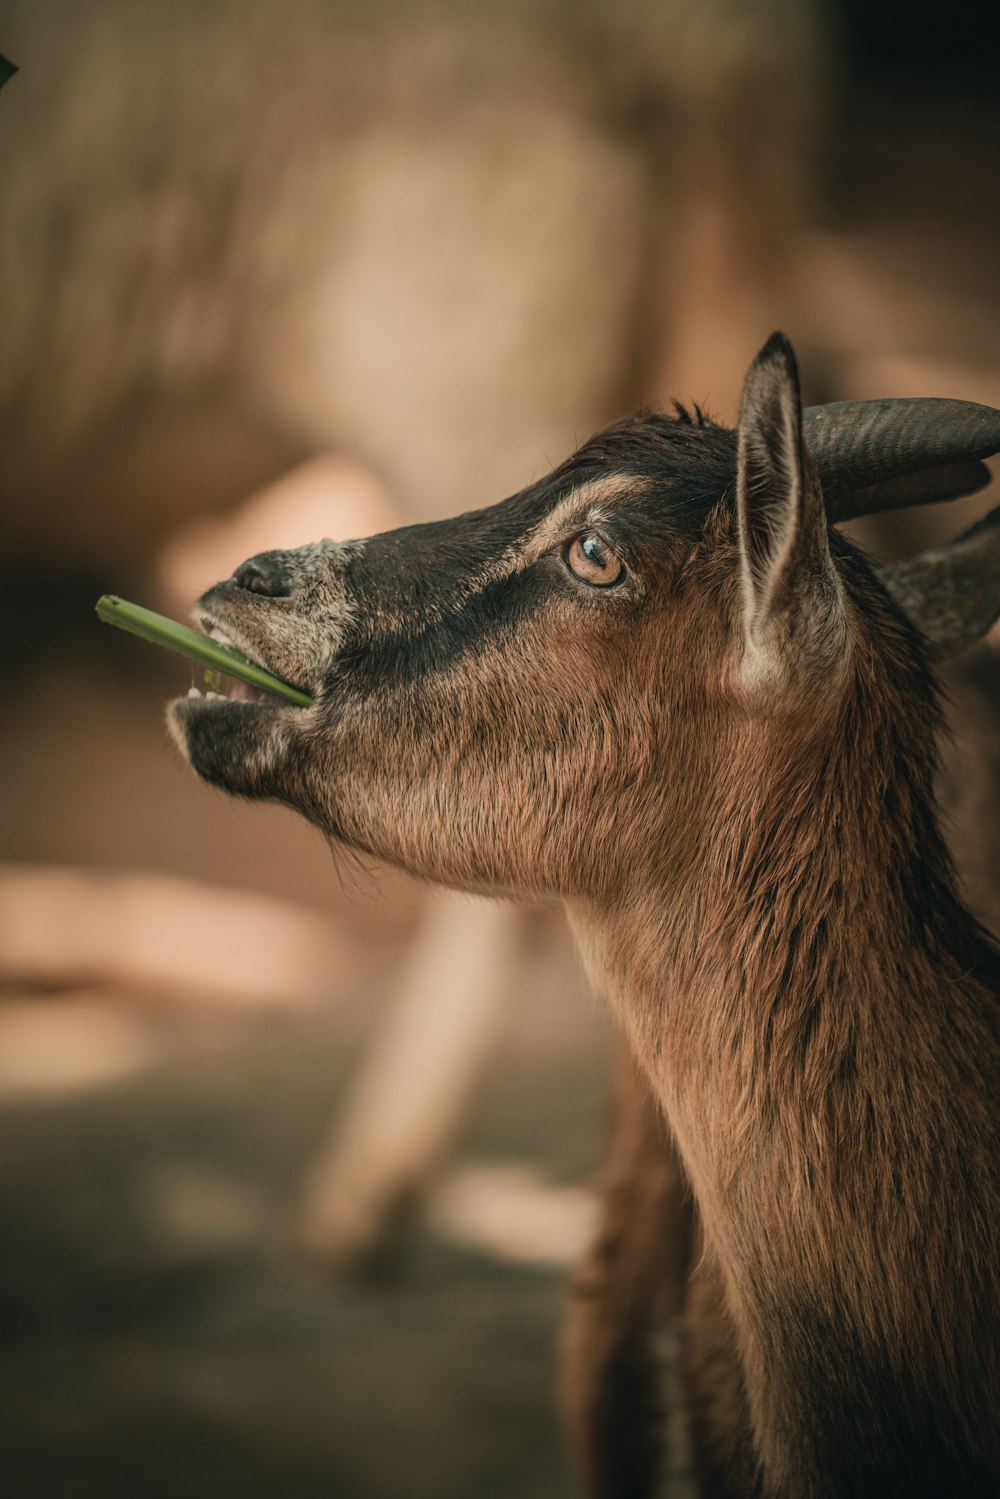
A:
{"x": 220, "y": 688}
{"x": 224, "y": 686}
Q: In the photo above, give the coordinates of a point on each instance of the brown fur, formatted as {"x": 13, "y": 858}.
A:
{"x": 829, "y": 1094}
{"x": 724, "y": 768}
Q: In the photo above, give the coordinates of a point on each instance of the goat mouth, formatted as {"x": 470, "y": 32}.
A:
{"x": 222, "y": 689}
{"x": 221, "y": 686}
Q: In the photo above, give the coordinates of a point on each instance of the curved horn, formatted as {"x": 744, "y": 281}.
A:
{"x": 951, "y": 592}
{"x": 886, "y": 455}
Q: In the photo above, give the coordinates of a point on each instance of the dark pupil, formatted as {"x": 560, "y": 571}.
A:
{"x": 591, "y": 548}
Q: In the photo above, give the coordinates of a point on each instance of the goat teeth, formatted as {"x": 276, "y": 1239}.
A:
{"x": 195, "y": 692}
{"x": 216, "y": 697}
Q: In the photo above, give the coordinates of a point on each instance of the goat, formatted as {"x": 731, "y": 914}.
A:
{"x": 658, "y": 687}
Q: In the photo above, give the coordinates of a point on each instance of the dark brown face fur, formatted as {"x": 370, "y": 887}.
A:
{"x": 476, "y": 701}
{"x": 484, "y": 717}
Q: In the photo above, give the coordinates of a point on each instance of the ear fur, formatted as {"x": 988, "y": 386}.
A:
{"x": 951, "y": 592}
{"x": 794, "y": 620}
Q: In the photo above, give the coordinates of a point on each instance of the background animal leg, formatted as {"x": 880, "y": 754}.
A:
{"x": 626, "y": 1296}
{"x": 713, "y": 1384}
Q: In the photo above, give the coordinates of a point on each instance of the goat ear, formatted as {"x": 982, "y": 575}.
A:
{"x": 951, "y": 592}
{"x": 793, "y": 611}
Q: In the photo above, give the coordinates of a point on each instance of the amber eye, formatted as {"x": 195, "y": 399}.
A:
{"x": 592, "y": 562}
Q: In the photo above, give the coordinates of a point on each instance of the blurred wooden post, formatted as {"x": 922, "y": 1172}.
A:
{"x": 412, "y": 1092}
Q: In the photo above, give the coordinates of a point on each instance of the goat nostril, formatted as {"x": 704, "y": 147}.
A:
{"x": 250, "y": 577}
{"x": 255, "y": 577}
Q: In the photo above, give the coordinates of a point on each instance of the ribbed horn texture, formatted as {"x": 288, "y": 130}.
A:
{"x": 927, "y": 486}
{"x": 886, "y": 455}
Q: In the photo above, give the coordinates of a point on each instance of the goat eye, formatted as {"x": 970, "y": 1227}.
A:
{"x": 592, "y": 562}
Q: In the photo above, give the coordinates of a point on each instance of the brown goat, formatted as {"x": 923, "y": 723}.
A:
{"x": 657, "y": 686}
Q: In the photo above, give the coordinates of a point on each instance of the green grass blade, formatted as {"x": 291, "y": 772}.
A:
{"x": 159, "y": 630}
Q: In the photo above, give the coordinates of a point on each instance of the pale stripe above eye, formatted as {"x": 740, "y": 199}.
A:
{"x": 580, "y": 511}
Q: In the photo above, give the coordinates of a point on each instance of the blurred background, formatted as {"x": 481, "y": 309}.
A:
{"x": 271, "y": 271}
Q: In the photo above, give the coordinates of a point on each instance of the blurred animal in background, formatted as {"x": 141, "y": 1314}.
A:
{"x": 366, "y": 261}
{"x": 442, "y": 240}
{"x": 657, "y": 686}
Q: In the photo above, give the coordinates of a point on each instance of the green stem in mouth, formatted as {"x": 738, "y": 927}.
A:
{"x": 187, "y": 642}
